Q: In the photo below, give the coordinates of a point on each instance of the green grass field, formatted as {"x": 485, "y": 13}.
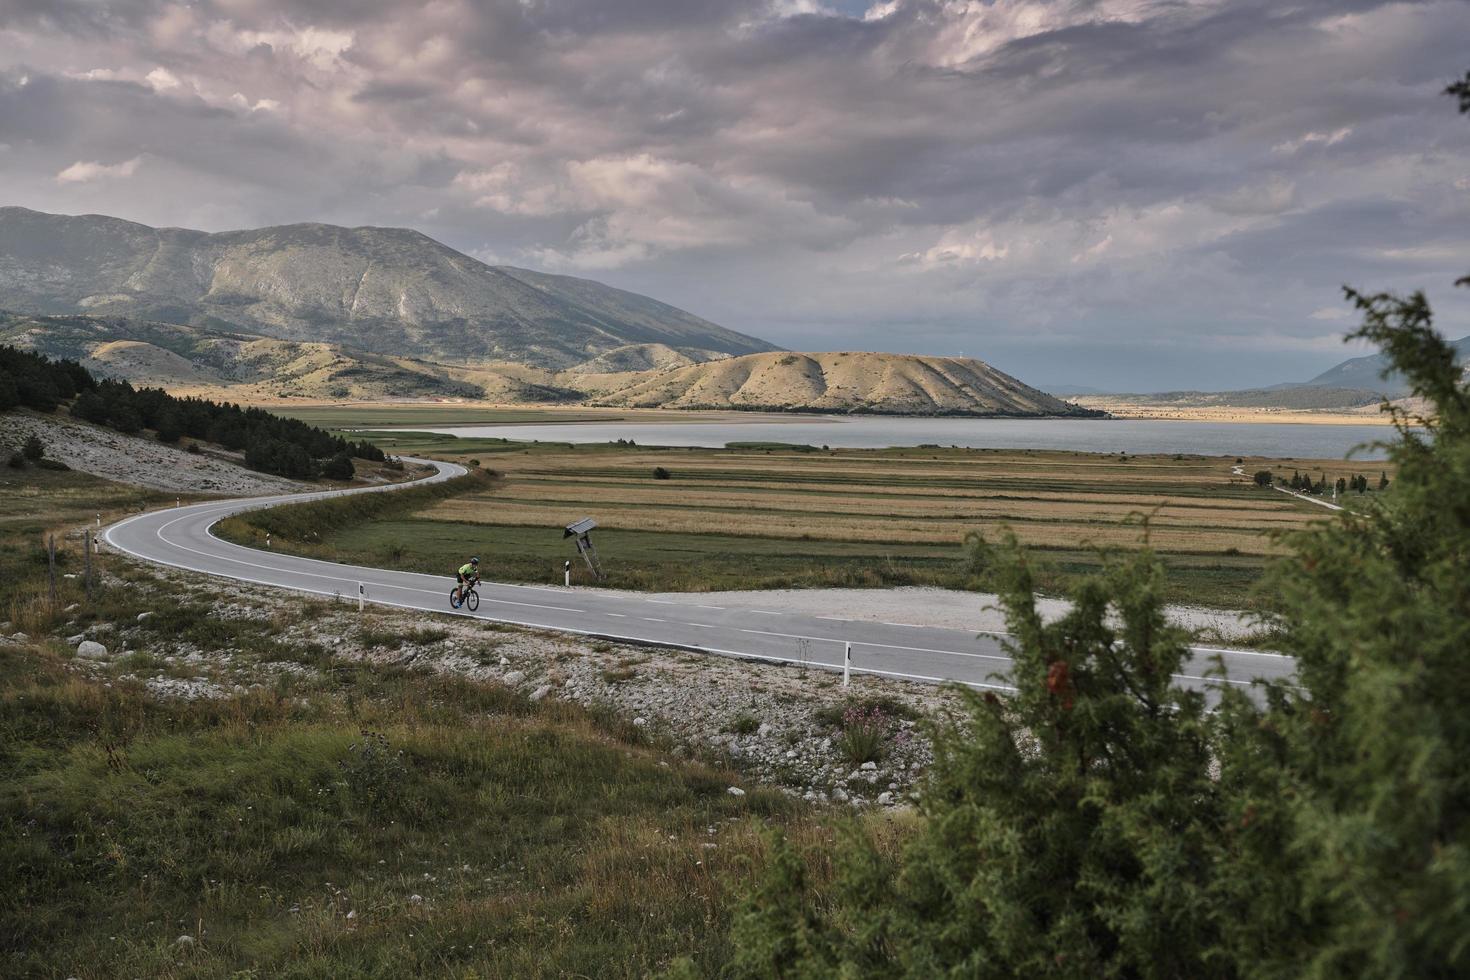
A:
{"x": 773, "y": 516}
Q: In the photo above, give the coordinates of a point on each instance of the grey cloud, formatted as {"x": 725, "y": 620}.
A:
{"x": 1147, "y": 178}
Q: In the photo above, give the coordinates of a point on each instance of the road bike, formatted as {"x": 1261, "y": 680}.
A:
{"x": 464, "y": 596}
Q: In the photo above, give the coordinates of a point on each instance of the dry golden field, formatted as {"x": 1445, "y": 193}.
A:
{"x": 795, "y": 516}
{"x": 1051, "y": 500}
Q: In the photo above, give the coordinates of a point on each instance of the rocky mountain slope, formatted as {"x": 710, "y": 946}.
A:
{"x": 380, "y": 290}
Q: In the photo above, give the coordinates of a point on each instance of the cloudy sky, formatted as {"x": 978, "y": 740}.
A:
{"x": 1129, "y": 194}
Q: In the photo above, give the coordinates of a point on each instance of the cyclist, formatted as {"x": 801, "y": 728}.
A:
{"x": 468, "y": 576}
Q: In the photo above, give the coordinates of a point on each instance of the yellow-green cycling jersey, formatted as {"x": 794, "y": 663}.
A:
{"x": 467, "y": 571}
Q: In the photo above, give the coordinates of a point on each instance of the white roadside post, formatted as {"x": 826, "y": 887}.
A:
{"x": 846, "y": 664}
{"x": 361, "y": 595}
{"x": 267, "y": 540}
{"x": 567, "y": 571}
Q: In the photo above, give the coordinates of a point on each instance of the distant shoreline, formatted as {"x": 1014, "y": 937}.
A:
{"x": 1181, "y": 413}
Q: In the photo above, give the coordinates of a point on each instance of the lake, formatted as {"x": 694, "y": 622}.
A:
{"x": 1141, "y": 436}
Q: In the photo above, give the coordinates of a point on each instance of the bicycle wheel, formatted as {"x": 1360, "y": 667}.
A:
{"x": 472, "y": 599}
{"x": 453, "y": 599}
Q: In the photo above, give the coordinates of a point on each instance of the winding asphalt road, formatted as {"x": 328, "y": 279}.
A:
{"x": 181, "y": 538}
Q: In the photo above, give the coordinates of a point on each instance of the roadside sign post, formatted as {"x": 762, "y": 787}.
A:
{"x": 361, "y": 595}
{"x": 846, "y": 664}
{"x": 267, "y": 540}
{"x": 567, "y": 570}
{"x": 582, "y": 531}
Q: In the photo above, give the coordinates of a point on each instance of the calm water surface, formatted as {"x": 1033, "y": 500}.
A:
{"x": 1278, "y": 439}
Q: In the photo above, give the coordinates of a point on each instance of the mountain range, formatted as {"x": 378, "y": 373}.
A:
{"x": 322, "y": 312}
{"x": 380, "y": 290}
{"x": 1357, "y": 385}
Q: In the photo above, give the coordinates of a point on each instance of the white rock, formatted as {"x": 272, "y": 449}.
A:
{"x": 352, "y": 914}
{"x": 514, "y": 677}
{"x": 20, "y": 637}
{"x": 765, "y": 728}
{"x": 540, "y": 692}
{"x": 839, "y": 794}
{"x": 184, "y": 940}
{"x": 869, "y": 766}
{"x": 640, "y": 722}
{"x": 884, "y": 799}
{"x": 416, "y": 899}
{"x": 735, "y": 791}
{"x": 72, "y": 608}
{"x": 72, "y": 641}
{"x": 91, "y": 649}
{"x": 504, "y": 662}
{"x": 791, "y": 754}
{"x": 143, "y": 617}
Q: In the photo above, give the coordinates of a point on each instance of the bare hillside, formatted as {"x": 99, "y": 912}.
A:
{"x": 843, "y": 382}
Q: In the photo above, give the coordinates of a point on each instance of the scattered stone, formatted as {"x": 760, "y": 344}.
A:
{"x": 20, "y": 637}
{"x": 869, "y": 766}
{"x": 416, "y": 899}
{"x": 540, "y": 692}
{"x": 143, "y": 617}
{"x": 72, "y": 608}
{"x": 184, "y": 940}
{"x": 735, "y": 791}
{"x": 514, "y": 677}
{"x": 91, "y": 649}
{"x": 884, "y": 799}
{"x": 352, "y": 914}
{"x": 72, "y": 641}
{"x": 505, "y": 661}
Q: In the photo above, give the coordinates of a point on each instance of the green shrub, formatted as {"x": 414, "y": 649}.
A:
{"x": 33, "y": 449}
{"x": 744, "y": 725}
{"x": 864, "y": 735}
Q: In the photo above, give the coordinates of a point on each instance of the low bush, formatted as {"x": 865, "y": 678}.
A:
{"x": 864, "y": 735}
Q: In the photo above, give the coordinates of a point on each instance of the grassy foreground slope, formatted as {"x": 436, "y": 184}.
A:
{"x": 334, "y": 819}
{"x": 774, "y": 517}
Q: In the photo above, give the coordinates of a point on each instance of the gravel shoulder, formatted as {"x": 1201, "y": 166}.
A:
{"x": 137, "y": 461}
{"x": 924, "y": 606}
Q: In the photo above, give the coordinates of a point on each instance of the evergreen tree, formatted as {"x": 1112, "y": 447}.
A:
{"x": 33, "y": 449}
{"x": 339, "y": 467}
{"x": 9, "y": 393}
{"x": 1077, "y": 828}
{"x": 168, "y": 425}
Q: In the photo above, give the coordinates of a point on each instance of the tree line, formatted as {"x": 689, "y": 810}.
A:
{"x": 270, "y": 443}
{"x": 1303, "y": 483}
